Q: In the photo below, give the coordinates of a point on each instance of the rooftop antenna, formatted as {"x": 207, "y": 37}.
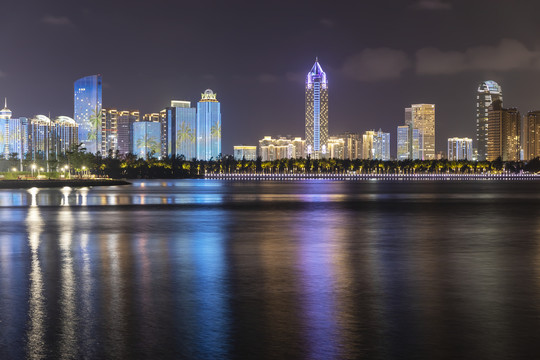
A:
{"x": 5, "y": 103}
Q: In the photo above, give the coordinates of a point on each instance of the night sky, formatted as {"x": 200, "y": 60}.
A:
{"x": 380, "y": 56}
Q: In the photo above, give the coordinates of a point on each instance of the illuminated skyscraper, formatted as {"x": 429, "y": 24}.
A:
{"x": 488, "y": 92}
{"x": 245, "y": 152}
{"x": 403, "y": 141}
{"x": 124, "y": 124}
{"x": 208, "y": 127}
{"x": 316, "y": 112}
{"x": 421, "y": 121}
{"x": 87, "y": 111}
{"x": 531, "y": 141}
{"x": 65, "y": 134}
{"x": 179, "y": 130}
{"x": 460, "y": 149}
{"x": 5, "y": 116}
{"x": 504, "y": 133}
{"x": 146, "y": 136}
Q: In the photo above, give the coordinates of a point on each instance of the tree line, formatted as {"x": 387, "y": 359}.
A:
{"x": 115, "y": 165}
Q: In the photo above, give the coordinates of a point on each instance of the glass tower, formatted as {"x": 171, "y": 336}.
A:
{"x": 403, "y": 141}
{"x": 208, "y": 127}
{"x": 488, "y": 92}
{"x": 87, "y": 111}
{"x": 146, "y": 139}
{"x": 179, "y": 128}
{"x": 317, "y": 112}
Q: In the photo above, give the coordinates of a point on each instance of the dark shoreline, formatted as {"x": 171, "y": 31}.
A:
{"x": 27, "y": 184}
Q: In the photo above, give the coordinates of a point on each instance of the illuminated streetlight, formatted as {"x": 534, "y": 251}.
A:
{"x": 33, "y": 168}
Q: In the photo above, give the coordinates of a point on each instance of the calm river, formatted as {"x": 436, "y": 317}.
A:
{"x": 206, "y": 269}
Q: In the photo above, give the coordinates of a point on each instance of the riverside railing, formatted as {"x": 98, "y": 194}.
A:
{"x": 360, "y": 177}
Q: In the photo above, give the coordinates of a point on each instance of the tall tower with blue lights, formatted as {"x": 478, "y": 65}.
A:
{"x": 487, "y": 93}
{"x": 317, "y": 112}
{"x": 208, "y": 126}
{"x": 87, "y": 111}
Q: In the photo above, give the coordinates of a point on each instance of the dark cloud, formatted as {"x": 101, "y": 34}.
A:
{"x": 56, "y": 20}
{"x": 432, "y": 5}
{"x": 376, "y": 64}
{"x": 508, "y": 55}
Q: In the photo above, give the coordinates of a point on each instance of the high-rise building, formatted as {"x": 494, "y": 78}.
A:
{"x": 65, "y": 134}
{"x": 40, "y": 141}
{"x": 109, "y": 131}
{"x": 146, "y": 139}
{"x": 179, "y": 129}
{"x": 421, "y": 117}
{"x": 488, "y": 92}
{"x": 5, "y": 116}
{"x": 403, "y": 142}
{"x": 317, "y": 112}
{"x": 352, "y": 145}
{"x": 87, "y": 111}
{"x": 376, "y": 145}
{"x": 336, "y": 147}
{"x": 504, "y": 133}
{"x": 124, "y": 124}
{"x": 531, "y": 141}
{"x": 460, "y": 149}
{"x": 245, "y": 152}
{"x": 208, "y": 127}
{"x": 281, "y": 148}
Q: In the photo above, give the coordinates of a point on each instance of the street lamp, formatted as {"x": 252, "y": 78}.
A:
{"x": 33, "y": 168}
{"x": 84, "y": 170}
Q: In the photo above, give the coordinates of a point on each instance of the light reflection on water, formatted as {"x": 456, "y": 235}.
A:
{"x": 315, "y": 270}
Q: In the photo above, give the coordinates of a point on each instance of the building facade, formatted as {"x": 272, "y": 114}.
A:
{"x": 531, "y": 141}
{"x": 403, "y": 152}
{"x": 460, "y": 149}
{"x": 488, "y": 92}
{"x": 504, "y": 133}
{"x": 336, "y": 147}
{"x": 179, "y": 129}
{"x": 376, "y": 145}
{"x": 124, "y": 124}
{"x": 87, "y": 111}
{"x": 208, "y": 131}
{"x": 271, "y": 149}
{"x": 146, "y": 139}
{"x": 422, "y": 142}
{"x": 245, "y": 152}
{"x": 352, "y": 145}
{"x": 316, "y": 112}
{"x": 65, "y": 134}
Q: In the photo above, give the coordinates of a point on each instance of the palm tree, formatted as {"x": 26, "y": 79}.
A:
{"x": 185, "y": 134}
{"x": 215, "y": 131}
{"x": 95, "y": 122}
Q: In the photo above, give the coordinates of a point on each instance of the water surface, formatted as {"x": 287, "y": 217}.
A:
{"x": 204, "y": 269}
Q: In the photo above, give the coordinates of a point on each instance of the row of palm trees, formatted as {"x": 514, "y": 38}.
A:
{"x": 115, "y": 165}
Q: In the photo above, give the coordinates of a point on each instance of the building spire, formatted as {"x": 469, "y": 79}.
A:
{"x": 5, "y": 103}
{"x": 316, "y": 59}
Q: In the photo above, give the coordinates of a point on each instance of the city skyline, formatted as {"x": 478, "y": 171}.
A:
{"x": 258, "y": 67}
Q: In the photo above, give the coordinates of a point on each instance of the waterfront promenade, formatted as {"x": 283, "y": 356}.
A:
{"x": 362, "y": 177}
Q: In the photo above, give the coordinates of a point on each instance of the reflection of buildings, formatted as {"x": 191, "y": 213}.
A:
{"x": 281, "y": 148}
{"x": 208, "y": 127}
{"x": 459, "y": 149}
{"x": 245, "y": 152}
{"x": 504, "y": 130}
{"x": 488, "y": 92}
{"x": 87, "y": 109}
{"x": 316, "y": 112}
{"x": 146, "y": 136}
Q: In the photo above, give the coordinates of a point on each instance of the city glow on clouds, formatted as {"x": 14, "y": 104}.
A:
{"x": 385, "y": 63}
{"x": 508, "y": 55}
{"x": 376, "y": 64}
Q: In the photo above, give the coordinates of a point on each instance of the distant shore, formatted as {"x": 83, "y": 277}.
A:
{"x": 27, "y": 184}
